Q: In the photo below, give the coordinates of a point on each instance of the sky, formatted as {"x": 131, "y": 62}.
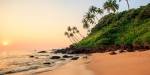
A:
{"x": 40, "y": 24}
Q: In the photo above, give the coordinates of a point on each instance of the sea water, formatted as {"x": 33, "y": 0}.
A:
{"x": 14, "y": 63}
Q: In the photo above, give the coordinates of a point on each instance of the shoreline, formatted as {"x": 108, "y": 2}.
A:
{"x": 35, "y": 63}
{"x": 72, "y": 68}
{"x": 127, "y": 63}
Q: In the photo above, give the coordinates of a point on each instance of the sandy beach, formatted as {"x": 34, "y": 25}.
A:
{"x": 128, "y": 63}
{"x": 73, "y": 68}
{"x": 134, "y": 63}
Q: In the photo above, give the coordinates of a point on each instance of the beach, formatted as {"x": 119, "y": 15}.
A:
{"x": 130, "y": 63}
{"x": 134, "y": 63}
{"x": 127, "y": 63}
{"x": 73, "y": 68}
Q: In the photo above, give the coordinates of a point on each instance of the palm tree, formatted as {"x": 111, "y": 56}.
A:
{"x": 74, "y": 38}
{"x": 77, "y": 31}
{"x": 90, "y": 17}
{"x": 111, "y": 5}
{"x": 74, "y": 29}
{"x": 86, "y": 25}
{"x": 127, "y": 3}
{"x": 67, "y": 34}
{"x": 70, "y": 30}
{"x": 93, "y": 9}
{"x": 99, "y": 11}
{"x": 80, "y": 33}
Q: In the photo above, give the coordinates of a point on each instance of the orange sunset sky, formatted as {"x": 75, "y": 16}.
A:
{"x": 40, "y": 24}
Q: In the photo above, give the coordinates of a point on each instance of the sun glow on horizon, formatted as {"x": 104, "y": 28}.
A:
{"x": 5, "y": 43}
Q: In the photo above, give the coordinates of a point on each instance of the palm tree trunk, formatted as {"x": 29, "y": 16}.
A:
{"x": 76, "y": 39}
{"x": 128, "y": 4}
{"x": 97, "y": 18}
{"x": 71, "y": 40}
{"x": 76, "y": 36}
{"x": 81, "y": 35}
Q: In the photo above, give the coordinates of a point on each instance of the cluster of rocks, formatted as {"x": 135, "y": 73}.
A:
{"x": 37, "y": 60}
{"x": 55, "y": 56}
{"x": 65, "y": 57}
{"x": 101, "y": 49}
{"x": 73, "y": 50}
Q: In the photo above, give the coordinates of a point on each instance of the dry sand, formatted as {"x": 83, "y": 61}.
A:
{"x": 73, "y": 68}
{"x": 135, "y": 63}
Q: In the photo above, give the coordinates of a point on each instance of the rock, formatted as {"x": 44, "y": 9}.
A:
{"x": 75, "y": 58}
{"x": 42, "y": 52}
{"x": 47, "y": 63}
{"x": 1, "y": 74}
{"x": 121, "y": 51}
{"x": 55, "y": 57}
{"x": 67, "y": 56}
{"x": 113, "y": 53}
{"x": 31, "y": 56}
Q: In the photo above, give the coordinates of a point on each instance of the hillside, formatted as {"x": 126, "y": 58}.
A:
{"x": 126, "y": 30}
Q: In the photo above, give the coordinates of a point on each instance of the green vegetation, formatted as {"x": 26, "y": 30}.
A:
{"x": 127, "y": 29}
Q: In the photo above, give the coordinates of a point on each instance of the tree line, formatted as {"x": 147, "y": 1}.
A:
{"x": 91, "y": 18}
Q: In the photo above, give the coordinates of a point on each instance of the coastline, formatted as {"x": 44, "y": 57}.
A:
{"x": 129, "y": 63}
{"x": 35, "y": 63}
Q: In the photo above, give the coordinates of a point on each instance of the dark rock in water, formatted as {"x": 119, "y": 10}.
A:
{"x": 1, "y": 74}
{"x": 112, "y": 53}
{"x": 75, "y": 58}
{"x": 31, "y": 56}
{"x": 55, "y": 57}
{"x": 42, "y": 52}
{"x": 9, "y": 72}
{"x": 67, "y": 56}
{"x": 47, "y": 63}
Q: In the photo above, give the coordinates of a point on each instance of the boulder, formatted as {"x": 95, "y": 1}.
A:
{"x": 47, "y": 63}
{"x": 67, "y": 56}
{"x": 55, "y": 57}
{"x": 31, "y": 56}
{"x": 75, "y": 58}
{"x": 42, "y": 52}
{"x": 113, "y": 53}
